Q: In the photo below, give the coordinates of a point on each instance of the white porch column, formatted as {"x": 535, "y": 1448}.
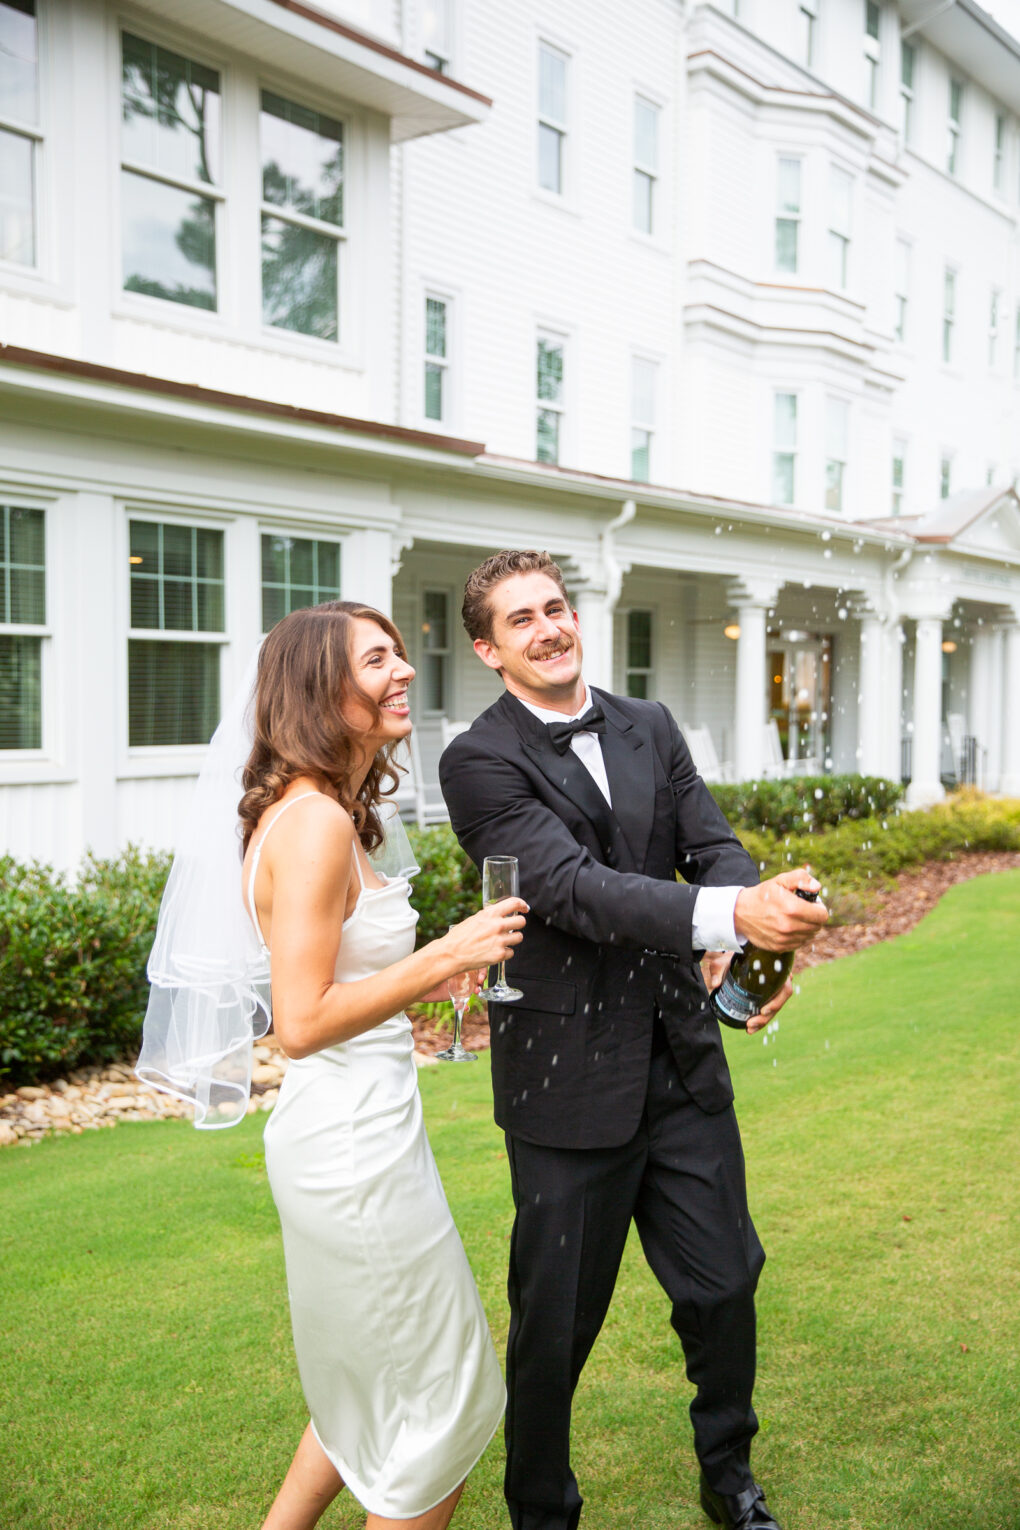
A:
{"x": 925, "y": 786}
{"x": 893, "y": 713}
{"x": 870, "y": 710}
{"x": 1009, "y": 779}
{"x": 369, "y": 562}
{"x": 997, "y": 702}
{"x": 752, "y": 599}
{"x": 595, "y": 613}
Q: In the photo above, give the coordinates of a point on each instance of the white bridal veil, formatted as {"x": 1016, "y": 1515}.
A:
{"x": 209, "y": 997}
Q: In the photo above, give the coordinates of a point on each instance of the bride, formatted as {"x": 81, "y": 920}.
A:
{"x": 393, "y": 1350}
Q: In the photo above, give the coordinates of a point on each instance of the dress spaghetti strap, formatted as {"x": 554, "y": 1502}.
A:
{"x": 256, "y": 854}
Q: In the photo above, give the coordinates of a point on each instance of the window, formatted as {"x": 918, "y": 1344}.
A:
{"x": 902, "y": 293}
{"x": 435, "y": 643}
{"x": 948, "y": 313}
{"x": 990, "y": 475}
{"x": 945, "y": 477}
{"x": 177, "y": 591}
{"x": 787, "y": 213}
{"x": 908, "y": 58}
{"x": 552, "y": 118}
{"x": 784, "y": 448}
{"x": 639, "y": 653}
{"x": 19, "y": 133}
{"x": 807, "y": 21}
{"x": 837, "y": 414}
{"x": 549, "y": 393}
{"x": 437, "y": 359}
{"x": 953, "y": 126}
{"x": 898, "y": 474}
{"x": 646, "y": 164}
{"x": 296, "y": 571}
{"x": 642, "y": 430}
{"x": 994, "y": 309}
{"x": 840, "y": 183}
{"x": 872, "y": 52}
{"x": 999, "y": 161}
{"x": 437, "y": 35}
{"x": 302, "y": 218}
{"x": 22, "y": 625}
{"x": 170, "y": 140}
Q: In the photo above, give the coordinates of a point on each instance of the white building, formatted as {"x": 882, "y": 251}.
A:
{"x": 718, "y": 303}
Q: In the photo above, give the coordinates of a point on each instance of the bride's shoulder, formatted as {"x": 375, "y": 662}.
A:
{"x": 309, "y": 818}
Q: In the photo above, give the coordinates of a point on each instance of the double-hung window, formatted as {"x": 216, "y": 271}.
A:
{"x": 840, "y": 186}
{"x": 22, "y": 626}
{"x": 436, "y": 653}
{"x": 642, "y": 430}
{"x": 20, "y": 138}
{"x": 296, "y": 572}
{"x": 170, "y": 171}
{"x": 784, "y": 448}
{"x": 437, "y": 34}
{"x": 437, "y": 358}
{"x": 807, "y": 21}
{"x": 552, "y": 118}
{"x": 908, "y": 60}
{"x": 646, "y": 164}
{"x": 899, "y": 470}
{"x": 787, "y": 213}
{"x": 999, "y": 158}
{"x": 837, "y": 430}
{"x": 639, "y": 654}
{"x": 177, "y": 625}
{"x": 994, "y": 315}
{"x": 549, "y": 379}
{"x": 872, "y": 52}
{"x": 945, "y": 476}
{"x": 901, "y": 296}
{"x": 302, "y": 217}
{"x": 948, "y": 312}
{"x": 953, "y": 126}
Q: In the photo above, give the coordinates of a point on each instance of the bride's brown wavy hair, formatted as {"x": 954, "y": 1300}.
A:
{"x": 304, "y": 686}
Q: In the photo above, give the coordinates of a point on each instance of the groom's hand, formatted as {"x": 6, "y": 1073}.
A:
{"x": 773, "y": 917}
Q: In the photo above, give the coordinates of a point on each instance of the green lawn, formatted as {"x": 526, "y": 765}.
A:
{"x": 148, "y": 1379}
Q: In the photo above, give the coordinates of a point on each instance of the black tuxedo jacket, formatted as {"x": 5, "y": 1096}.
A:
{"x": 608, "y": 939}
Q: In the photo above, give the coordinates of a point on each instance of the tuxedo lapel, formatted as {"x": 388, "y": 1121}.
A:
{"x": 631, "y": 772}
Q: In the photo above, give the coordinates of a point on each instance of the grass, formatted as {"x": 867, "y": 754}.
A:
{"x": 148, "y": 1379}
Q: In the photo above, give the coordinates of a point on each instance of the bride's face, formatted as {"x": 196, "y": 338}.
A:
{"x": 384, "y": 674}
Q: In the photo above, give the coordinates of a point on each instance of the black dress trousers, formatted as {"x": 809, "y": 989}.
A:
{"x": 681, "y": 1178}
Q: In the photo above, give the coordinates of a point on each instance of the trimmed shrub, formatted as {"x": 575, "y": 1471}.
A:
{"x": 449, "y": 886}
{"x": 806, "y": 804}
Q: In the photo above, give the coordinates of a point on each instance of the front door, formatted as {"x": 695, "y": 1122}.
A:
{"x": 800, "y": 692}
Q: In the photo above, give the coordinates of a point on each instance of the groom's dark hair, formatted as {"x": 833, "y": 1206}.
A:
{"x": 477, "y": 610}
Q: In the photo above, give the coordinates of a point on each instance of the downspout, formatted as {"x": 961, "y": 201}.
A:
{"x": 610, "y": 562}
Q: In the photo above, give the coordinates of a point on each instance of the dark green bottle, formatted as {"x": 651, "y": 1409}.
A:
{"x": 755, "y": 976}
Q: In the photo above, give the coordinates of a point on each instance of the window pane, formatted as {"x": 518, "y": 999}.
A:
{"x": 169, "y": 242}
{"x": 435, "y": 625}
{"x": 179, "y": 606}
{"x": 552, "y": 84}
{"x": 643, "y": 390}
{"x": 949, "y": 293}
{"x": 435, "y": 327}
{"x": 785, "y": 421}
{"x": 834, "y": 485}
{"x": 20, "y": 692}
{"x": 839, "y": 195}
{"x": 637, "y": 686}
{"x": 435, "y": 28}
{"x": 302, "y": 561}
{"x": 25, "y": 540}
{"x": 550, "y": 158}
{"x": 640, "y": 455}
{"x": 178, "y": 550}
{"x": 145, "y": 546}
{"x": 786, "y": 244}
{"x": 299, "y": 279}
{"x": 170, "y": 110}
{"x": 19, "y": 55}
{"x": 274, "y": 559}
{"x": 548, "y": 444}
{"x": 550, "y": 370}
{"x": 871, "y": 19}
{"x": 173, "y": 692}
{"x": 646, "y": 134}
{"x": 209, "y": 614}
{"x": 274, "y": 607}
{"x": 302, "y": 159}
{"x": 639, "y": 640}
{"x": 788, "y": 186}
{"x": 144, "y": 602}
{"x": 643, "y": 186}
{"x": 17, "y": 199}
{"x": 296, "y": 572}
{"x": 433, "y": 391}
{"x": 907, "y": 64}
{"x": 433, "y": 682}
{"x": 836, "y": 420}
{"x": 22, "y": 566}
{"x": 782, "y": 478}
{"x": 208, "y": 553}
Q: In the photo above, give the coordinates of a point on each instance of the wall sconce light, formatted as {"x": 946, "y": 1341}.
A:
{"x": 949, "y": 646}
{"x": 134, "y": 558}
{"x": 732, "y": 630}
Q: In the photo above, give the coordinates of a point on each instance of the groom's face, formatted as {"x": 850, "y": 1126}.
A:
{"x": 535, "y": 642}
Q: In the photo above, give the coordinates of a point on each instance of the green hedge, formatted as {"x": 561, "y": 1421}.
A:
{"x": 806, "y": 804}
{"x": 448, "y": 888}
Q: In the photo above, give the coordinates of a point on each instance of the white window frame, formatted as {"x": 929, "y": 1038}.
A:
{"x": 808, "y": 18}
{"x": 899, "y": 455}
{"x": 953, "y": 124}
{"x": 445, "y": 655}
{"x": 436, "y": 294}
{"x": 559, "y": 406}
{"x": 837, "y": 452}
{"x": 560, "y": 126}
{"x": 12, "y": 759}
{"x": 441, "y": 57}
{"x": 782, "y": 450}
{"x": 949, "y": 301}
{"x": 872, "y": 57}
{"x": 901, "y": 293}
{"x": 646, "y": 171}
{"x": 908, "y": 50}
{"x": 839, "y": 240}
{"x": 784, "y": 215}
{"x": 35, "y": 133}
{"x": 643, "y": 423}
{"x": 213, "y": 191}
{"x": 994, "y": 324}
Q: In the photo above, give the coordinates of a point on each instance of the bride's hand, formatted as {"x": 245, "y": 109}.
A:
{"x": 488, "y": 937}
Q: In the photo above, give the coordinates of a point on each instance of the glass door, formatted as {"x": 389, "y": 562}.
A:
{"x": 799, "y": 691}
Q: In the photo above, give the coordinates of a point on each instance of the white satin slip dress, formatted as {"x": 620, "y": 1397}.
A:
{"x": 393, "y": 1347}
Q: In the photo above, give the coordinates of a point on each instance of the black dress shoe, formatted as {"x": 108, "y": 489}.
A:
{"x": 738, "y": 1511}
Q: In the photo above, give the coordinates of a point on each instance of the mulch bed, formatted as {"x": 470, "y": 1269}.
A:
{"x": 892, "y": 913}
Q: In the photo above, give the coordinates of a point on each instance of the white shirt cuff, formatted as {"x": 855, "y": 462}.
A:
{"x": 712, "y": 925}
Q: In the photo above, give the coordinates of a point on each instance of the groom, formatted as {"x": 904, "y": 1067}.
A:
{"x": 609, "y": 1075}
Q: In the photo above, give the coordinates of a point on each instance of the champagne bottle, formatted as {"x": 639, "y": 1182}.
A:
{"x": 754, "y": 977}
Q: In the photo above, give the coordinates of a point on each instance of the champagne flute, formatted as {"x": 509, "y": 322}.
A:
{"x": 459, "y": 989}
{"x": 499, "y": 881}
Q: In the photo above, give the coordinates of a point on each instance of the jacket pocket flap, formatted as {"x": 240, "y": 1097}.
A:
{"x": 547, "y": 997}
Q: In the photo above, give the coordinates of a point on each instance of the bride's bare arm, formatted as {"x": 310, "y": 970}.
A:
{"x": 309, "y": 864}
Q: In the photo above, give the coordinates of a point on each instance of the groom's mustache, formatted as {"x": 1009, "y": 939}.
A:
{"x": 551, "y": 650}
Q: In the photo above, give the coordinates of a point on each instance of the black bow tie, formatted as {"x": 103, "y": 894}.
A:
{"x": 592, "y": 721}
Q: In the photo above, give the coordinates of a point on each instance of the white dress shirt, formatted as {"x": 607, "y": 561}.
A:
{"x": 712, "y": 924}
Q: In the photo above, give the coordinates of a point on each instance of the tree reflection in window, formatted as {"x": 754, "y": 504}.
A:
{"x": 302, "y": 217}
